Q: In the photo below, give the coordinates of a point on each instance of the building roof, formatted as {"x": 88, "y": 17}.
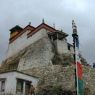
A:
{"x": 28, "y": 27}
{"x": 58, "y": 34}
{"x": 17, "y": 27}
{"x": 42, "y": 25}
{"x": 17, "y": 72}
{"x": 34, "y": 30}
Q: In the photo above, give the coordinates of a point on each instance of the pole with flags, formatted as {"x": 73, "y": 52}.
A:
{"x": 78, "y": 65}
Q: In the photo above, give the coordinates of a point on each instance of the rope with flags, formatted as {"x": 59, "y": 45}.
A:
{"x": 78, "y": 69}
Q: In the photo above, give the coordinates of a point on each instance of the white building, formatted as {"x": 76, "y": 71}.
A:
{"x": 16, "y": 83}
{"x": 23, "y": 37}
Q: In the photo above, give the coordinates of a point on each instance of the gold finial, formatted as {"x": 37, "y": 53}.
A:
{"x": 29, "y": 23}
{"x": 54, "y": 25}
{"x": 43, "y": 21}
{"x": 61, "y": 30}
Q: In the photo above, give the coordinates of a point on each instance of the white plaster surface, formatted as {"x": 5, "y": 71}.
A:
{"x": 62, "y": 46}
{"x": 10, "y": 83}
{"x": 22, "y": 42}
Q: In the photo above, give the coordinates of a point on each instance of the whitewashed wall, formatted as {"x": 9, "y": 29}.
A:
{"x": 26, "y": 77}
{"x": 22, "y": 42}
{"x": 10, "y": 84}
{"x": 62, "y": 46}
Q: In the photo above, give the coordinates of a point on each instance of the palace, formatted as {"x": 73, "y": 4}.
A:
{"x": 31, "y": 53}
{"x": 20, "y": 38}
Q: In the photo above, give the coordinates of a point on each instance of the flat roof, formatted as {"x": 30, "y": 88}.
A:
{"x": 18, "y": 72}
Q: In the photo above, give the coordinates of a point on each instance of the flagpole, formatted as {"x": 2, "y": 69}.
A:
{"x": 75, "y": 61}
{"x": 74, "y": 35}
{"x": 76, "y": 69}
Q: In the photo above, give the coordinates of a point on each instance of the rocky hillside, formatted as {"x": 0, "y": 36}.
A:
{"x": 57, "y": 75}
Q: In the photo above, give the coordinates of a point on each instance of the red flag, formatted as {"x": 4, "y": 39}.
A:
{"x": 79, "y": 70}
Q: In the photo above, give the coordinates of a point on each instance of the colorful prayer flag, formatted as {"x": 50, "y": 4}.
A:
{"x": 79, "y": 69}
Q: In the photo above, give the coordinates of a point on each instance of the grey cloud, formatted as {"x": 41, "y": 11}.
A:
{"x": 60, "y": 12}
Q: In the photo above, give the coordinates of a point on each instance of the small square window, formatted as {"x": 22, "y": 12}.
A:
{"x": 2, "y": 88}
{"x": 69, "y": 48}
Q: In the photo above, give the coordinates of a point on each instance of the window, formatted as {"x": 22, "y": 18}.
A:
{"x": 27, "y": 87}
{"x": 19, "y": 85}
{"x": 69, "y": 48}
{"x": 23, "y": 85}
{"x": 2, "y": 85}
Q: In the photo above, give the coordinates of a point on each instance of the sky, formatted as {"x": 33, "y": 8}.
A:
{"x": 58, "y": 12}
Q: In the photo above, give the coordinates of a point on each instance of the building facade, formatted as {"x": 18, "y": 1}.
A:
{"x": 23, "y": 37}
{"x": 16, "y": 83}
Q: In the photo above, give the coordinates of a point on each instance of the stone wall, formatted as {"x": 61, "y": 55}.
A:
{"x": 64, "y": 76}
{"x": 89, "y": 78}
{"x": 38, "y": 54}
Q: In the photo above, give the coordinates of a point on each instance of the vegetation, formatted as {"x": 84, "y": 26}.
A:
{"x": 64, "y": 59}
{"x": 55, "y": 90}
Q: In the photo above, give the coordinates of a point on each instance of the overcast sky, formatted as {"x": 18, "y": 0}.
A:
{"x": 58, "y": 12}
